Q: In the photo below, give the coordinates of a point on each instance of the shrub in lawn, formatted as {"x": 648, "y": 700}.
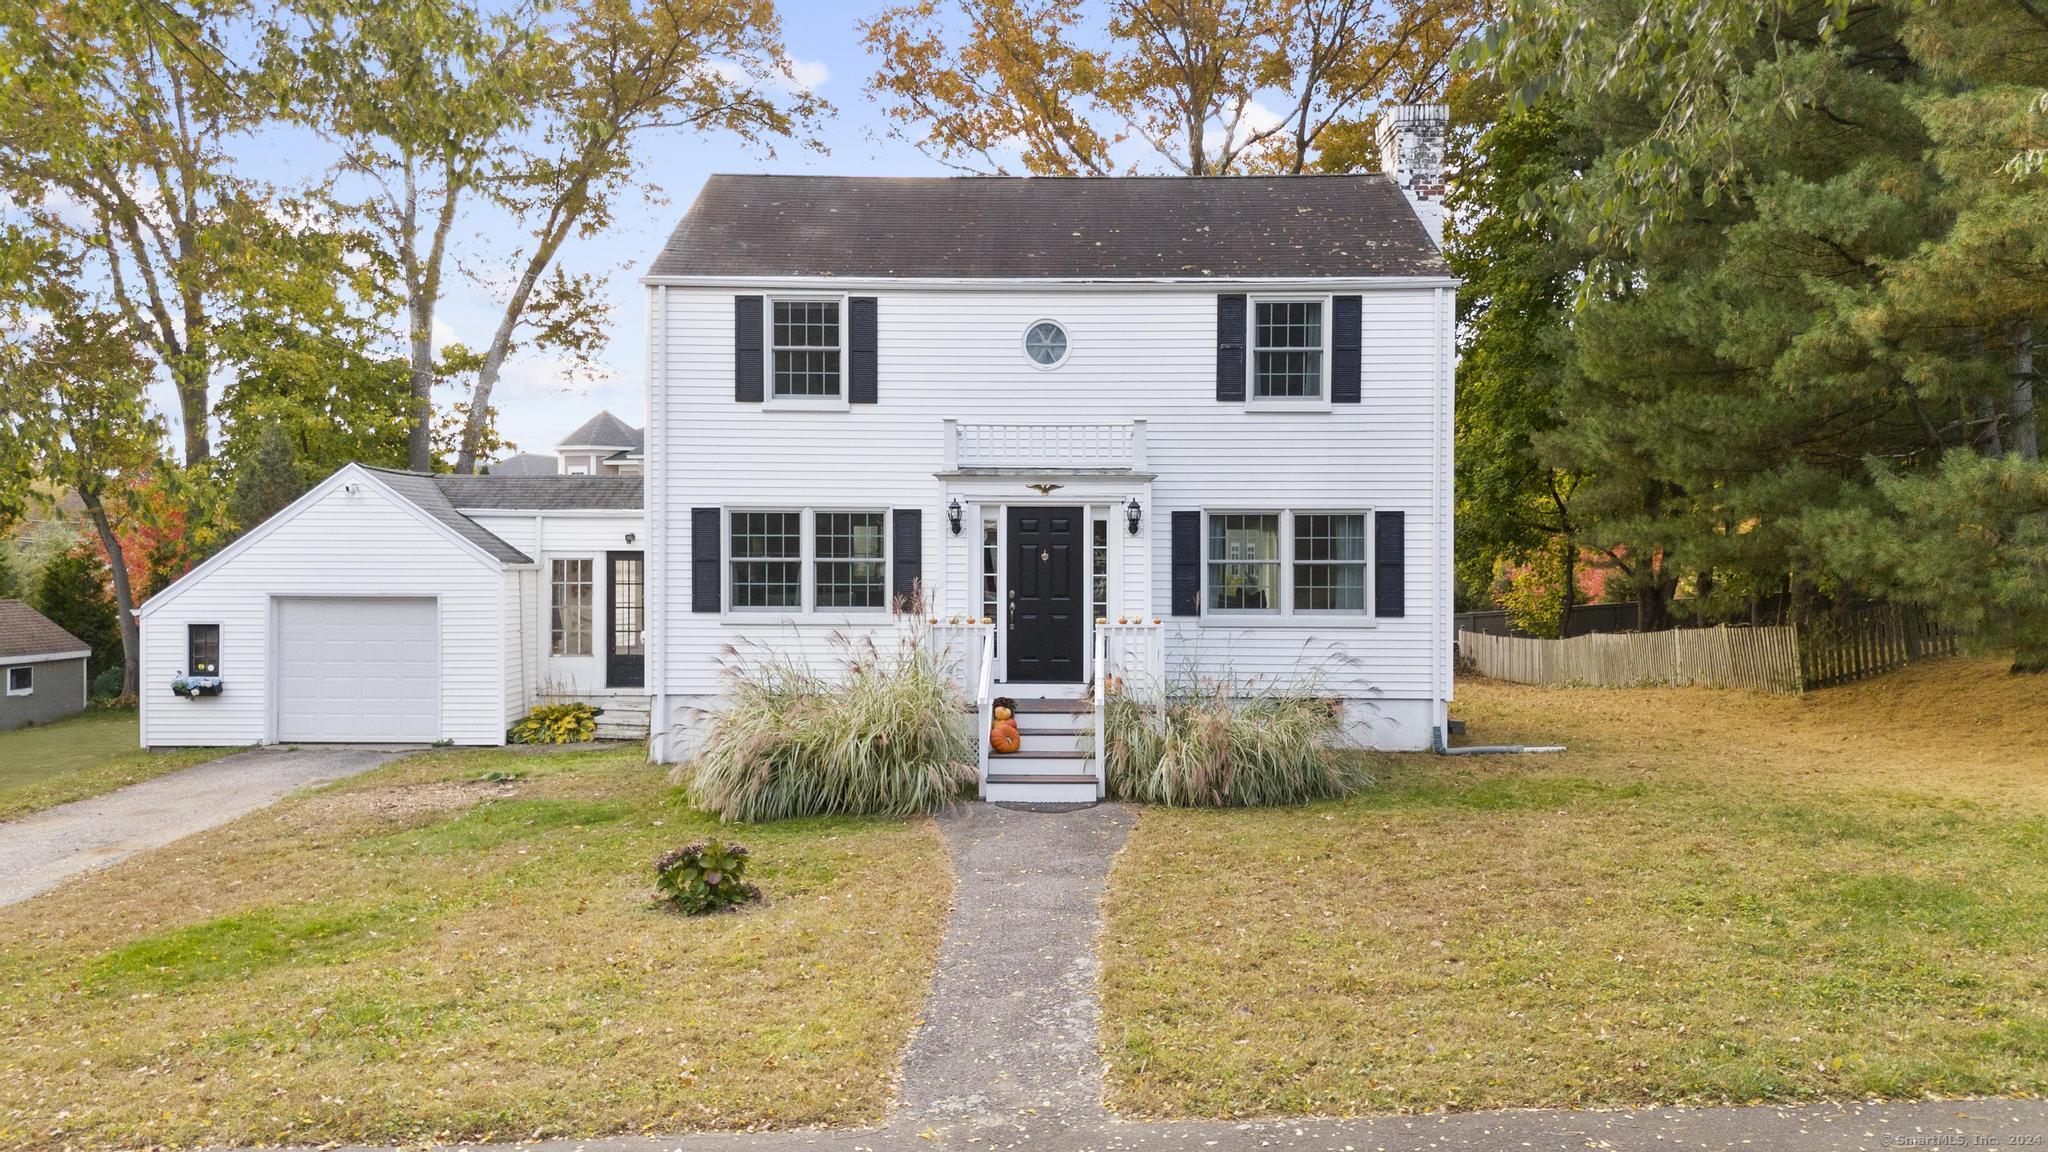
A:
{"x": 885, "y": 733}
{"x": 703, "y": 878}
{"x": 1220, "y": 746}
{"x": 557, "y": 724}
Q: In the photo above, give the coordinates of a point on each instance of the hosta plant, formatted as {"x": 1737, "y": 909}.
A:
{"x": 704, "y": 878}
{"x": 557, "y": 724}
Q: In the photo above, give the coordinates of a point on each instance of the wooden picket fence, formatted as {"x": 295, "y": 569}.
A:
{"x": 1769, "y": 659}
{"x": 1872, "y": 641}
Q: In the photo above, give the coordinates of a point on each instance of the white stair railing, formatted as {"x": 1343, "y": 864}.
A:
{"x": 984, "y": 697}
{"x": 1101, "y": 697}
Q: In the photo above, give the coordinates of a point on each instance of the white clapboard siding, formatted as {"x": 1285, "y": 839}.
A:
{"x": 1143, "y": 352}
{"x": 565, "y": 535}
{"x": 362, "y": 544}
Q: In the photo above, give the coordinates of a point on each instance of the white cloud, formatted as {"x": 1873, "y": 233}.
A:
{"x": 805, "y": 75}
{"x": 1258, "y": 118}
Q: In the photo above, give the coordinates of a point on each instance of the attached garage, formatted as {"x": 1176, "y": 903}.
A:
{"x": 358, "y": 668}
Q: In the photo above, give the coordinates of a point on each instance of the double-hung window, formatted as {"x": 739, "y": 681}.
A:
{"x": 1287, "y": 350}
{"x": 1287, "y": 563}
{"x": 852, "y": 565}
{"x": 805, "y": 345}
{"x": 768, "y": 560}
{"x": 795, "y": 560}
{"x": 570, "y": 598}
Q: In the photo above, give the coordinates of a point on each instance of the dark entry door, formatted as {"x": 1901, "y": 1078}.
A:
{"x": 1047, "y": 597}
{"x": 625, "y": 650}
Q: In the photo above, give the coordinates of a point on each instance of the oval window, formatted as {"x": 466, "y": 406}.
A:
{"x": 1046, "y": 343}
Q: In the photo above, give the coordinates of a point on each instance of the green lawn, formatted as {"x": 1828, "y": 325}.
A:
{"x": 426, "y": 955}
{"x": 1711, "y": 897}
{"x": 80, "y": 756}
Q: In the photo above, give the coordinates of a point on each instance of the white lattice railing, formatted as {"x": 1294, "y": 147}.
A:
{"x": 970, "y": 648}
{"x": 974, "y": 445}
{"x": 1134, "y": 652}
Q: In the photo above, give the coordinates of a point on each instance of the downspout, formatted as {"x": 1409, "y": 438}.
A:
{"x": 1436, "y": 736}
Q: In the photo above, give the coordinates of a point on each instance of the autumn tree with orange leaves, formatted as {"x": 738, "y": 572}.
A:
{"x": 1196, "y": 87}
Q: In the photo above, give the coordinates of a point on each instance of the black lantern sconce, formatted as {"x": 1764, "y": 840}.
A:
{"x": 953, "y": 516}
{"x": 1133, "y": 515}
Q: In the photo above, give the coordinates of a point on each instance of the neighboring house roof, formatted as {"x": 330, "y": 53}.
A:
{"x": 26, "y": 634}
{"x": 1037, "y": 227}
{"x": 526, "y": 464}
{"x": 424, "y": 492}
{"x": 604, "y": 430}
{"x": 541, "y": 493}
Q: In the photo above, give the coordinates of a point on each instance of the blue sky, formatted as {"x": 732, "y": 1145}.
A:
{"x": 536, "y": 405}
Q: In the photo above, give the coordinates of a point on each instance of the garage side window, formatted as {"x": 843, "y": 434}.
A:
{"x": 21, "y": 680}
{"x": 202, "y": 649}
{"x": 570, "y": 632}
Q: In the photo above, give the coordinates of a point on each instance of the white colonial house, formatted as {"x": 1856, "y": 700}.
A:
{"x": 1155, "y": 430}
{"x": 396, "y": 607}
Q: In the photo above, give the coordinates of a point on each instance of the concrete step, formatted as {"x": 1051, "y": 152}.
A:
{"x": 1031, "y": 724}
{"x": 1056, "y": 707}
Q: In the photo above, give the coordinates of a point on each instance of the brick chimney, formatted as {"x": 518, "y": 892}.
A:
{"x": 1411, "y": 143}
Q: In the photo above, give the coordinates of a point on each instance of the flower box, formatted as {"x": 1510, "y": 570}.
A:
{"x": 193, "y": 687}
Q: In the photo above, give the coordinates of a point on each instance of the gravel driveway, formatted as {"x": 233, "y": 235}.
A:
{"x": 41, "y": 851}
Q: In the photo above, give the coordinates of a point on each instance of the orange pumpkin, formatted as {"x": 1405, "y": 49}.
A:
{"x": 1003, "y": 737}
{"x": 1003, "y": 713}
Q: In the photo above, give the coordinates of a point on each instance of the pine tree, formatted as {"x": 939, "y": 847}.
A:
{"x": 73, "y": 592}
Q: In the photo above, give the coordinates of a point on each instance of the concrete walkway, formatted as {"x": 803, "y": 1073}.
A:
{"x": 40, "y": 851}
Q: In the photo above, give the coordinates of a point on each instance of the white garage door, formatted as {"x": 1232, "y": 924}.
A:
{"x": 358, "y": 669}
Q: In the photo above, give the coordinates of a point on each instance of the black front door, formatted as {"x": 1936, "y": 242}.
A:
{"x": 1047, "y": 596}
{"x": 625, "y": 649}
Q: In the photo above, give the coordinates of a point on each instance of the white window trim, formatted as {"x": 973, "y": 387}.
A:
{"x": 807, "y": 554}
{"x": 1253, "y": 402}
{"x": 1024, "y": 344}
{"x": 1288, "y": 616}
{"x": 773, "y": 402}
{"x": 596, "y": 618}
{"x": 28, "y": 691}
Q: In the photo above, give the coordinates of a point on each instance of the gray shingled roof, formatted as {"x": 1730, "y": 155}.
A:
{"x": 1111, "y": 228}
{"x": 25, "y": 632}
{"x": 425, "y": 494}
{"x": 605, "y": 430}
{"x": 444, "y": 497}
{"x": 542, "y": 493}
{"x": 526, "y": 464}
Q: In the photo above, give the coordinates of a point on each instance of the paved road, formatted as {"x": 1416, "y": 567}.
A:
{"x": 41, "y": 851}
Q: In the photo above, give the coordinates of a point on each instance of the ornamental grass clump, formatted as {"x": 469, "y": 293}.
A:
{"x": 703, "y": 878}
{"x": 1217, "y": 746}
{"x": 885, "y": 734}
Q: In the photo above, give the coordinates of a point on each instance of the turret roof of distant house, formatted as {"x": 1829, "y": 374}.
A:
{"x": 527, "y": 464}
{"x": 605, "y": 430}
{"x": 1003, "y": 227}
{"x": 25, "y": 632}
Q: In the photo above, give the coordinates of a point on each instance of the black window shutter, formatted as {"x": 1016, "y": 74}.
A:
{"x": 1390, "y": 570}
{"x": 1187, "y": 563}
{"x": 1347, "y": 348}
{"x": 746, "y": 349}
{"x": 861, "y": 387}
{"x": 908, "y": 526}
{"x": 704, "y": 548}
{"x": 1229, "y": 348}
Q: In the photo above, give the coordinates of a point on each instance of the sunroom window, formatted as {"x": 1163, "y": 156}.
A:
{"x": 805, "y": 339}
{"x": 767, "y": 560}
{"x": 1287, "y": 349}
{"x": 570, "y": 598}
{"x": 852, "y": 566}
